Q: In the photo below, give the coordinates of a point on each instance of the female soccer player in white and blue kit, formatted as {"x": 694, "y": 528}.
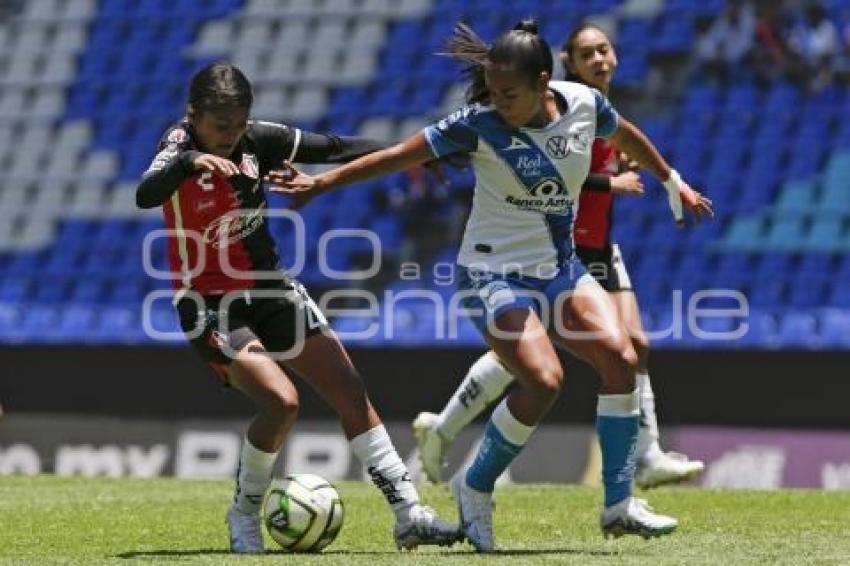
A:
{"x": 518, "y": 274}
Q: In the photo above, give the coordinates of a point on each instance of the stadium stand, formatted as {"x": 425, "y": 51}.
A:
{"x": 87, "y": 88}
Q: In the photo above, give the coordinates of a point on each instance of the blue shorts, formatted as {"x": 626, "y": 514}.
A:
{"x": 488, "y": 295}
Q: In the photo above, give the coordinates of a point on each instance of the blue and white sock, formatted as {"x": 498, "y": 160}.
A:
{"x": 617, "y": 427}
{"x": 504, "y": 438}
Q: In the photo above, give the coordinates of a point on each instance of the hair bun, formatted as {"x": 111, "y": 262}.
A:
{"x": 528, "y": 25}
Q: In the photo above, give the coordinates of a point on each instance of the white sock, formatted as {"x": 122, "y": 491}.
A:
{"x": 648, "y": 446}
{"x": 506, "y": 423}
{"x": 389, "y": 474}
{"x": 253, "y": 477}
{"x": 485, "y": 382}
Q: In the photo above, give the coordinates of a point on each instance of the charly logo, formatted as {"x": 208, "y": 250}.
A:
{"x": 548, "y": 188}
{"x": 557, "y": 147}
{"x": 231, "y": 227}
{"x": 516, "y": 143}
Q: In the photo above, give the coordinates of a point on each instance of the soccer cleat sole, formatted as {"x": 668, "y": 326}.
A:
{"x": 618, "y": 530}
{"x": 414, "y": 544}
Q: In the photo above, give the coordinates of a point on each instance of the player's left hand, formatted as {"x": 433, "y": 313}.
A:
{"x": 699, "y": 204}
{"x": 289, "y": 181}
{"x": 627, "y": 163}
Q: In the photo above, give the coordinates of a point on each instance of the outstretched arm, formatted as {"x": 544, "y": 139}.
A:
{"x": 409, "y": 153}
{"x": 632, "y": 141}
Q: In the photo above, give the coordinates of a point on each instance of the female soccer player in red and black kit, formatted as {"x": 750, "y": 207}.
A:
{"x": 588, "y": 57}
{"x": 249, "y": 320}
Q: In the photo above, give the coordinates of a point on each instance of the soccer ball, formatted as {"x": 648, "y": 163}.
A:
{"x": 303, "y": 512}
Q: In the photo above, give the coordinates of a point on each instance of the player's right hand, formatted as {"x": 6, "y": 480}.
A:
{"x": 628, "y": 183}
{"x": 215, "y": 164}
{"x": 289, "y": 181}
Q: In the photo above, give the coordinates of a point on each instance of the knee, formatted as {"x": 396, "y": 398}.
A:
{"x": 546, "y": 381}
{"x": 282, "y": 403}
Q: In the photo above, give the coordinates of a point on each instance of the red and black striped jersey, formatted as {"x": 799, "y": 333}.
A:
{"x": 219, "y": 237}
{"x": 592, "y": 227}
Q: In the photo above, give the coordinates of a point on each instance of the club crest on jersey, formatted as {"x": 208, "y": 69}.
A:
{"x": 249, "y": 166}
{"x": 580, "y": 142}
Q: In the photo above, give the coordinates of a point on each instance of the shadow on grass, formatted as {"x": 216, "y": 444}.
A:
{"x": 448, "y": 553}
{"x": 177, "y": 553}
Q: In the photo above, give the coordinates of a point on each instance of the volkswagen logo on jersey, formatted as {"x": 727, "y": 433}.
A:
{"x": 557, "y": 147}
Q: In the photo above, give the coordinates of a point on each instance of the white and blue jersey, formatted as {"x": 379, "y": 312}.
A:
{"x": 528, "y": 180}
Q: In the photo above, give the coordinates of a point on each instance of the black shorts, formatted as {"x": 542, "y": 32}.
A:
{"x": 606, "y": 265}
{"x": 281, "y": 317}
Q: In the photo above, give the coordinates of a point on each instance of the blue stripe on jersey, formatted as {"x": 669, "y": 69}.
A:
{"x": 606, "y": 116}
{"x": 454, "y": 134}
{"x": 561, "y": 231}
{"x": 530, "y": 165}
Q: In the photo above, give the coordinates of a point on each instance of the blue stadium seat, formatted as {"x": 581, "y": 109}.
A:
{"x": 786, "y": 233}
{"x": 834, "y": 328}
{"x": 827, "y": 234}
{"x": 798, "y": 328}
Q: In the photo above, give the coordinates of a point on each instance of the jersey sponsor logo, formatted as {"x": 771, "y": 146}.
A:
{"x": 548, "y": 188}
{"x": 551, "y": 205}
{"x": 204, "y": 204}
{"x": 557, "y": 147}
{"x": 230, "y": 228}
{"x": 529, "y": 165}
{"x": 516, "y": 143}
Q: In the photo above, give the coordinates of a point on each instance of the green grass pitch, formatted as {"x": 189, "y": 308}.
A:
{"x": 52, "y": 520}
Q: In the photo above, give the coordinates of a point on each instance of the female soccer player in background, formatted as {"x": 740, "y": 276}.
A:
{"x": 241, "y": 313}
{"x": 589, "y": 58}
{"x": 530, "y": 150}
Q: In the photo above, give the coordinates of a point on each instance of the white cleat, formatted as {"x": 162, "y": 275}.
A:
{"x": 667, "y": 468}
{"x": 246, "y": 536}
{"x": 424, "y": 527}
{"x": 432, "y": 445}
{"x": 476, "y": 514}
{"x": 634, "y": 516}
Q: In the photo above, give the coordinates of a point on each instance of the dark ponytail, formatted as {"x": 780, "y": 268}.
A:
{"x": 219, "y": 86}
{"x": 521, "y": 48}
